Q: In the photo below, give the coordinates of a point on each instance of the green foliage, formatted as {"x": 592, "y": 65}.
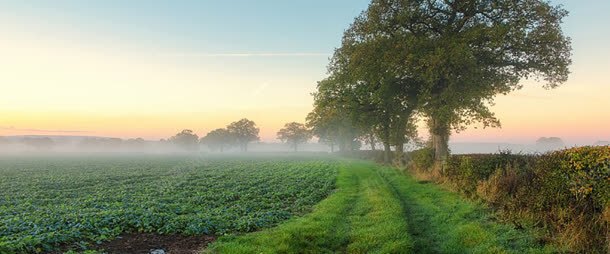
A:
{"x": 446, "y": 60}
{"x": 186, "y": 140}
{"x": 218, "y": 139}
{"x": 333, "y": 117}
{"x": 294, "y": 134}
{"x": 244, "y": 131}
{"x": 465, "y": 171}
{"x": 588, "y": 172}
{"x": 567, "y": 192}
{"x": 379, "y": 210}
{"x": 422, "y": 159}
{"x": 47, "y": 202}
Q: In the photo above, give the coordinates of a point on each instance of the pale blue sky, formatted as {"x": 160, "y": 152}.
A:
{"x": 200, "y": 26}
{"x": 109, "y": 59}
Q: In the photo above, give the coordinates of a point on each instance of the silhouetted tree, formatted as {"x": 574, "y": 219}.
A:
{"x": 218, "y": 140}
{"x": 244, "y": 131}
{"x": 294, "y": 134}
{"x": 550, "y": 143}
{"x": 186, "y": 140}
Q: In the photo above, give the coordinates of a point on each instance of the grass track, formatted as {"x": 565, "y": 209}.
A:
{"x": 379, "y": 210}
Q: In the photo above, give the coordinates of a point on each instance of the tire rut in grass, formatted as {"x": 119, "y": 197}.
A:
{"x": 420, "y": 228}
{"x": 443, "y": 222}
{"x": 378, "y": 223}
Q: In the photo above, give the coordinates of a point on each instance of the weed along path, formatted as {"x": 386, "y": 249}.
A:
{"x": 377, "y": 209}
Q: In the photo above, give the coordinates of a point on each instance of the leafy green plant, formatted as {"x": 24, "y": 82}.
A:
{"x": 48, "y": 202}
{"x": 422, "y": 159}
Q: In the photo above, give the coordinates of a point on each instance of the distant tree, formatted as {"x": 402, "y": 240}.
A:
{"x": 135, "y": 143}
{"x": 550, "y": 143}
{"x": 186, "y": 140}
{"x": 294, "y": 134}
{"x": 42, "y": 143}
{"x": 218, "y": 140}
{"x": 244, "y": 131}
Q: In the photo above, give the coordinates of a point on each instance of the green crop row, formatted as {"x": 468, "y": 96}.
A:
{"x": 51, "y": 202}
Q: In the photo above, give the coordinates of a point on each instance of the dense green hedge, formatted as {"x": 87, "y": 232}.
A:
{"x": 566, "y": 192}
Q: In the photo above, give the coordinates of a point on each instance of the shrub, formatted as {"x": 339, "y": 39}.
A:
{"x": 566, "y": 192}
{"x": 570, "y": 193}
{"x": 466, "y": 171}
{"x": 422, "y": 159}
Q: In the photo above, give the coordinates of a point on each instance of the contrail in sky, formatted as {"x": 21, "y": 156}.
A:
{"x": 250, "y": 55}
{"x": 12, "y": 128}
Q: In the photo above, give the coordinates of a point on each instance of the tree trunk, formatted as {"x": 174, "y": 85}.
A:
{"x": 295, "y": 147}
{"x": 342, "y": 145}
{"x": 332, "y": 147}
{"x": 245, "y": 147}
{"x": 399, "y": 139}
{"x": 387, "y": 150}
{"x": 440, "y": 144}
{"x": 400, "y": 148}
{"x": 372, "y": 142}
{"x": 399, "y": 155}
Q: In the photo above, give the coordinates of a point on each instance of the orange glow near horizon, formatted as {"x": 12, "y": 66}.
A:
{"x": 58, "y": 81}
{"x": 147, "y": 126}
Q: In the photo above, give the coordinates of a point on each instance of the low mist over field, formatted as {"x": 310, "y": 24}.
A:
{"x": 37, "y": 145}
{"x": 343, "y": 126}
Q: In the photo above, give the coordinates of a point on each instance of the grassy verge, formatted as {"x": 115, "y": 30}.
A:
{"x": 379, "y": 210}
{"x": 443, "y": 222}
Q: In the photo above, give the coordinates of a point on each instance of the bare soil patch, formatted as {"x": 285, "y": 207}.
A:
{"x": 144, "y": 243}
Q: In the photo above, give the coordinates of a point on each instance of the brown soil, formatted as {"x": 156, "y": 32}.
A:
{"x": 144, "y": 243}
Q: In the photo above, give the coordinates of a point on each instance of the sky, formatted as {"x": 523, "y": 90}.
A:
{"x": 152, "y": 68}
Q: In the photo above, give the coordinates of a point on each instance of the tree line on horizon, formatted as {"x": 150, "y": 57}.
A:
{"x": 240, "y": 133}
{"x": 439, "y": 61}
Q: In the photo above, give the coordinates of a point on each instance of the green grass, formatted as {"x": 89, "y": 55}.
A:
{"x": 363, "y": 216}
{"x": 379, "y": 210}
{"x": 46, "y": 202}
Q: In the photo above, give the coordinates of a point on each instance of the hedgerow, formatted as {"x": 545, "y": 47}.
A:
{"x": 564, "y": 192}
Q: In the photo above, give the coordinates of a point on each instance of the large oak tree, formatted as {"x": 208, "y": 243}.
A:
{"x": 464, "y": 53}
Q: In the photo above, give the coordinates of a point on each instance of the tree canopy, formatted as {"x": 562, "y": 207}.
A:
{"x": 218, "y": 139}
{"x": 441, "y": 59}
{"x": 294, "y": 134}
{"x": 186, "y": 139}
{"x": 244, "y": 131}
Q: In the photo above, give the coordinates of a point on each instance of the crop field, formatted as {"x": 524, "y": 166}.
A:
{"x": 248, "y": 204}
{"x": 49, "y": 202}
